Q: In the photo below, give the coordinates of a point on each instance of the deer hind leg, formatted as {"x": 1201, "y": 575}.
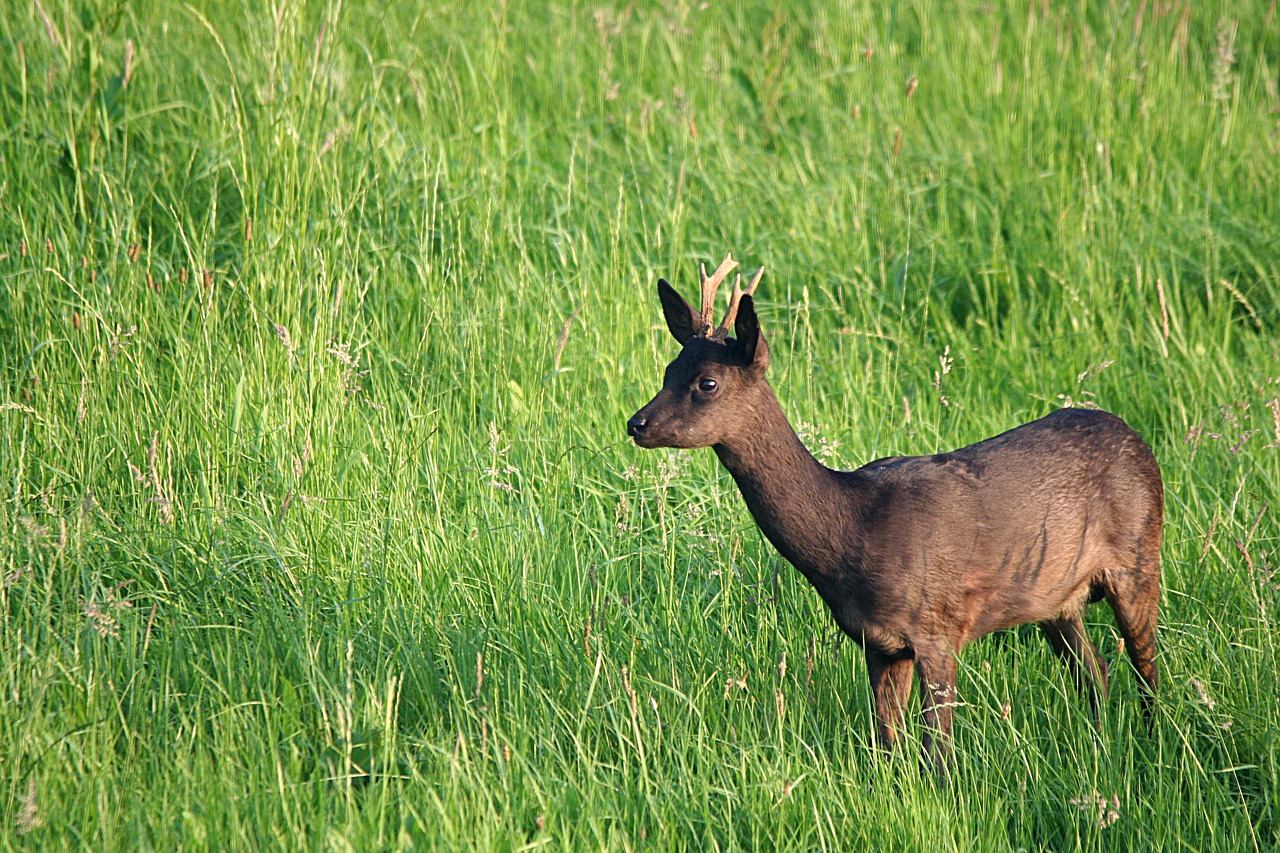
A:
{"x": 1135, "y": 600}
{"x": 1071, "y": 643}
{"x": 937, "y": 670}
{"x": 1132, "y": 589}
{"x": 890, "y": 687}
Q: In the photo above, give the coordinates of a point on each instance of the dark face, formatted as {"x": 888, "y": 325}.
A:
{"x": 709, "y": 391}
{"x": 702, "y": 395}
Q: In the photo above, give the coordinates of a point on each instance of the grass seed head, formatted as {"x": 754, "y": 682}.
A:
{"x": 282, "y": 332}
{"x": 28, "y": 818}
{"x": 1108, "y": 808}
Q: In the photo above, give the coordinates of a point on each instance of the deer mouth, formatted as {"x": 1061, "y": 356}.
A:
{"x": 650, "y": 438}
{"x": 648, "y": 442}
{"x": 644, "y": 433}
{"x": 643, "y": 437}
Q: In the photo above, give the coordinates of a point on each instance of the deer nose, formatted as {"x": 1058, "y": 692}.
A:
{"x": 637, "y": 424}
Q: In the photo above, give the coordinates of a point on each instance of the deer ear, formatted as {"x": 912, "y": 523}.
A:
{"x": 681, "y": 319}
{"x": 748, "y": 338}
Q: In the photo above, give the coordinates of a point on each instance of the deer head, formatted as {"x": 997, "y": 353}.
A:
{"x": 710, "y": 389}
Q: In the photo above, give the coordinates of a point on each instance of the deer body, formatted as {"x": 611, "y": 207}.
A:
{"x": 917, "y": 556}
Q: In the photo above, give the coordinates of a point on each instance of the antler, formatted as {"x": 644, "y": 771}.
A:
{"x": 709, "y": 287}
{"x": 735, "y": 298}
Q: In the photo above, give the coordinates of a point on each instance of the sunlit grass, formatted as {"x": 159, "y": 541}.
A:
{"x": 319, "y": 328}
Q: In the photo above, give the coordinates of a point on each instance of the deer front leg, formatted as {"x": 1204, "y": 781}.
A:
{"x": 937, "y": 671}
{"x": 890, "y": 687}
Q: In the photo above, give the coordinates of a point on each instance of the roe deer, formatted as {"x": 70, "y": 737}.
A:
{"x": 918, "y": 555}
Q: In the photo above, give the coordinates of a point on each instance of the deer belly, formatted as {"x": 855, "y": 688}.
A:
{"x": 992, "y": 609}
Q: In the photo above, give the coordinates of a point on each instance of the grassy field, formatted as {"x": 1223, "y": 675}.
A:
{"x": 319, "y": 328}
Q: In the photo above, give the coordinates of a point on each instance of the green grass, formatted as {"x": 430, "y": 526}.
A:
{"x": 317, "y": 338}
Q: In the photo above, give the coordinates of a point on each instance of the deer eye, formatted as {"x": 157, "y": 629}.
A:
{"x": 707, "y": 385}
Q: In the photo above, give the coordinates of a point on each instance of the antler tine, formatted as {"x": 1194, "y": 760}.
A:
{"x": 709, "y": 288}
{"x": 735, "y": 298}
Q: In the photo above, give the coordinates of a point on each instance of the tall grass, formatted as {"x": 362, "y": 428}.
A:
{"x": 320, "y": 325}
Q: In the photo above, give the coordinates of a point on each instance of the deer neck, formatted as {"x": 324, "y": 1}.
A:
{"x": 799, "y": 503}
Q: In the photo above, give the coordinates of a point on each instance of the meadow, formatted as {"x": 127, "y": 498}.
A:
{"x": 320, "y": 325}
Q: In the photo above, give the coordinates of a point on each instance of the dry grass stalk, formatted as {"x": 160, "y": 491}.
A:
{"x": 1164, "y": 309}
{"x": 564, "y": 337}
{"x": 127, "y": 74}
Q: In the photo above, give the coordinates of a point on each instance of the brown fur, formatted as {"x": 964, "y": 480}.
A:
{"x": 917, "y": 556}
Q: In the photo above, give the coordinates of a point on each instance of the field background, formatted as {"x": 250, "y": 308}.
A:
{"x": 319, "y": 326}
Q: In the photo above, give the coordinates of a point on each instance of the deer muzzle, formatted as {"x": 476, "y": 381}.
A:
{"x": 638, "y": 427}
